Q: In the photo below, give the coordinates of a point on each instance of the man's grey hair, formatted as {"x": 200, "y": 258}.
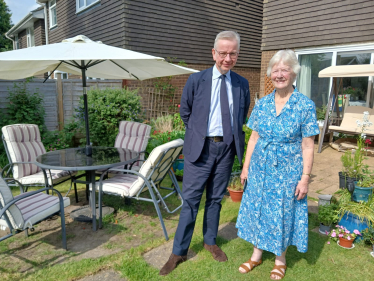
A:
{"x": 227, "y": 35}
{"x": 287, "y": 57}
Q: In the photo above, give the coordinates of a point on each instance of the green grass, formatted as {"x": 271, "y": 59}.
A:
{"x": 322, "y": 261}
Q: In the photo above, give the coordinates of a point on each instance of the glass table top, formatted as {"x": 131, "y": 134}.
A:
{"x": 75, "y": 159}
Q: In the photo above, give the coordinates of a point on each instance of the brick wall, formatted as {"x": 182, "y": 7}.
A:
{"x": 22, "y": 39}
{"x": 39, "y": 32}
{"x": 265, "y": 58}
{"x": 170, "y": 105}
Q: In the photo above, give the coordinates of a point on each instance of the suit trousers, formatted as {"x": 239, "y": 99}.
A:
{"x": 211, "y": 170}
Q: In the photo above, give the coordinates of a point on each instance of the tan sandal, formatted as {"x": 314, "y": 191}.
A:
{"x": 281, "y": 271}
{"x": 252, "y": 265}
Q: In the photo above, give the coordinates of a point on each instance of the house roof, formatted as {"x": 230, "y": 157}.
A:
{"x": 26, "y": 22}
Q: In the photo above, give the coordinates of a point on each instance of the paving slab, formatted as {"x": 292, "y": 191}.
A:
{"x": 159, "y": 256}
{"x": 104, "y": 276}
{"x": 312, "y": 206}
{"x": 228, "y": 231}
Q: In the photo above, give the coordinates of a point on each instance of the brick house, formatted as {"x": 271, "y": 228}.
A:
{"x": 322, "y": 33}
{"x": 183, "y": 30}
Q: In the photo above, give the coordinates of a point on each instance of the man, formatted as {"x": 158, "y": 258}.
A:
{"x": 213, "y": 108}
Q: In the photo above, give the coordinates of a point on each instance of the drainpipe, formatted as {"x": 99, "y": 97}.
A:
{"x": 14, "y": 43}
{"x": 45, "y": 20}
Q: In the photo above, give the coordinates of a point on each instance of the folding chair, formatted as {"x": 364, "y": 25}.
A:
{"x": 23, "y": 144}
{"x": 131, "y": 184}
{"x": 21, "y": 212}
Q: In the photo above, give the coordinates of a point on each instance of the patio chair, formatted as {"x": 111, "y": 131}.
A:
{"x": 21, "y": 212}
{"x": 133, "y": 136}
{"x": 23, "y": 144}
{"x": 132, "y": 184}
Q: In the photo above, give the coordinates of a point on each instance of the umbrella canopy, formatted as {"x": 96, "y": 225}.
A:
{"x": 358, "y": 70}
{"x": 82, "y": 56}
{"x": 99, "y": 60}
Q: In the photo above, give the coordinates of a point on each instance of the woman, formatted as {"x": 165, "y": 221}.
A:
{"x": 274, "y": 212}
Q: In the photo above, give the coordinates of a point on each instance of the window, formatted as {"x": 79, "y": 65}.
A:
{"x": 308, "y": 83}
{"x": 52, "y": 13}
{"x": 17, "y": 42}
{"x": 30, "y": 37}
{"x": 84, "y": 4}
{"x": 64, "y": 75}
{"x": 356, "y": 89}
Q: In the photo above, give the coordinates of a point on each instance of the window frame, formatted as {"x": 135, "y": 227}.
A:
{"x": 16, "y": 41}
{"x": 354, "y": 48}
{"x": 85, "y": 7}
{"x": 50, "y": 7}
{"x": 30, "y": 40}
{"x": 62, "y": 74}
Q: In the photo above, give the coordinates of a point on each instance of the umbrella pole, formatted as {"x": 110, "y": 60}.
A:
{"x": 84, "y": 82}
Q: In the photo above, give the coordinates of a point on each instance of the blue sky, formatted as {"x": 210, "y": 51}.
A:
{"x": 20, "y": 8}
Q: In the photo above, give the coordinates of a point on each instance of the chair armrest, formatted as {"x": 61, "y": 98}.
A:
{"x": 139, "y": 160}
{"x": 30, "y": 193}
{"x": 22, "y": 189}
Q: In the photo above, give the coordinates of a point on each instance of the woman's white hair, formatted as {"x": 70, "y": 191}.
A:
{"x": 227, "y": 35}
{"x": 287, "y": 57}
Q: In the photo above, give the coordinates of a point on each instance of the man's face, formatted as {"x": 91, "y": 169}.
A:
{"x": 228, "y": 47}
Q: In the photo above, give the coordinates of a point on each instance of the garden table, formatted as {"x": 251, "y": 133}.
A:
{"x": 76, "y": 159}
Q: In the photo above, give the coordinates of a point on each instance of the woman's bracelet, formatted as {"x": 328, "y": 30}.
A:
{"x": 307, "y": 174}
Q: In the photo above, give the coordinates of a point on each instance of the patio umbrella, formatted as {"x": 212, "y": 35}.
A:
{"x": 82, "y": 56}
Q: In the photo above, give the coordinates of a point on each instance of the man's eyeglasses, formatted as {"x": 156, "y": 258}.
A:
{"x": 223, "y": 55}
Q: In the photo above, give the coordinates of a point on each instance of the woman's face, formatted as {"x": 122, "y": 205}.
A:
{"x": 282, "y": 76}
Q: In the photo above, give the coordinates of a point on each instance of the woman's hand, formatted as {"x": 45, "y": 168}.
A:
{"x": 243, "y": 176}
{"x": 302, "y": 188}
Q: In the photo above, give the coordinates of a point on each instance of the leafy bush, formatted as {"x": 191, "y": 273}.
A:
{"x": 159, "y": 138}
{"x": 368, "y": 236}
{"x": 106, "y": 108}
{"x": 321, "y": 112}
{"x": 352, "y": 161}
{"x": 178, "y": 122}
{"x": 23, "y": 107}
{"x": 236, "y": 167}
{"x": 55, "y": 140}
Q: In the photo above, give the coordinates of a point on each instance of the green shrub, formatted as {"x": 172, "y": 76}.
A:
{"x": 106, "y": 108}
{"x": 55, "y": 140}
{"x": 159, "y": 138}
{"x": 24, "y": 107}
{"x": 163, "y": 123}
{"x": 178, "y": 123}
{"x": 179, "y": 172}
{"x": 236, "y": 167}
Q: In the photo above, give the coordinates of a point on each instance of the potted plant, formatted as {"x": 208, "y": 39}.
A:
{"x": 368, "y": 236}
{"x": 327, "y": 216}
{"x": 179, "y": 174}
{"x": 321, "y": 113}
{"x": 363, "y": 189}
{"x": 344, "y": 236}
{"x": 352, "y": 166}
{"x": 236, "y": 189}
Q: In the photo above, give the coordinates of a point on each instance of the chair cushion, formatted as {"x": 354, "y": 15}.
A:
{"x": 38, "y": 178}
{"x": 133, "y": 136}
{"x": 24, "y": 145}
{"x": 39, "y": 206}
{"x": 130, "y": 184}
{"x": 119, "y": 185}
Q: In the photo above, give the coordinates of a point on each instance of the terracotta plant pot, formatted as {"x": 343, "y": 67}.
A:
{"x": 345, "y": 243}
{"x": 236, "y": 195}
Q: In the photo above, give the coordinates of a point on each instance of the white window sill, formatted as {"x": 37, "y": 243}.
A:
{"x": 52, "y": 27}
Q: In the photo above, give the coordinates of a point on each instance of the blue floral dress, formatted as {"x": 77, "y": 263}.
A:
{"x": 270, "y": 216}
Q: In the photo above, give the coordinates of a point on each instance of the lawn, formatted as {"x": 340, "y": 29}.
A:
{"x": 322, "y": 261}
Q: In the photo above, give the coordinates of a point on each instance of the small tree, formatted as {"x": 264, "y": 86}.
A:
{"x": 5, "y": 25}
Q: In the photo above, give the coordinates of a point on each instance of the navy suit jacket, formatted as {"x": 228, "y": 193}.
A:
{"x": 195, "y": 107}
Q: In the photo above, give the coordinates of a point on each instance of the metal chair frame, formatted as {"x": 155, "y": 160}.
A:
{"x": 156, "y": 197}
{"x": 25, "y": 195}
